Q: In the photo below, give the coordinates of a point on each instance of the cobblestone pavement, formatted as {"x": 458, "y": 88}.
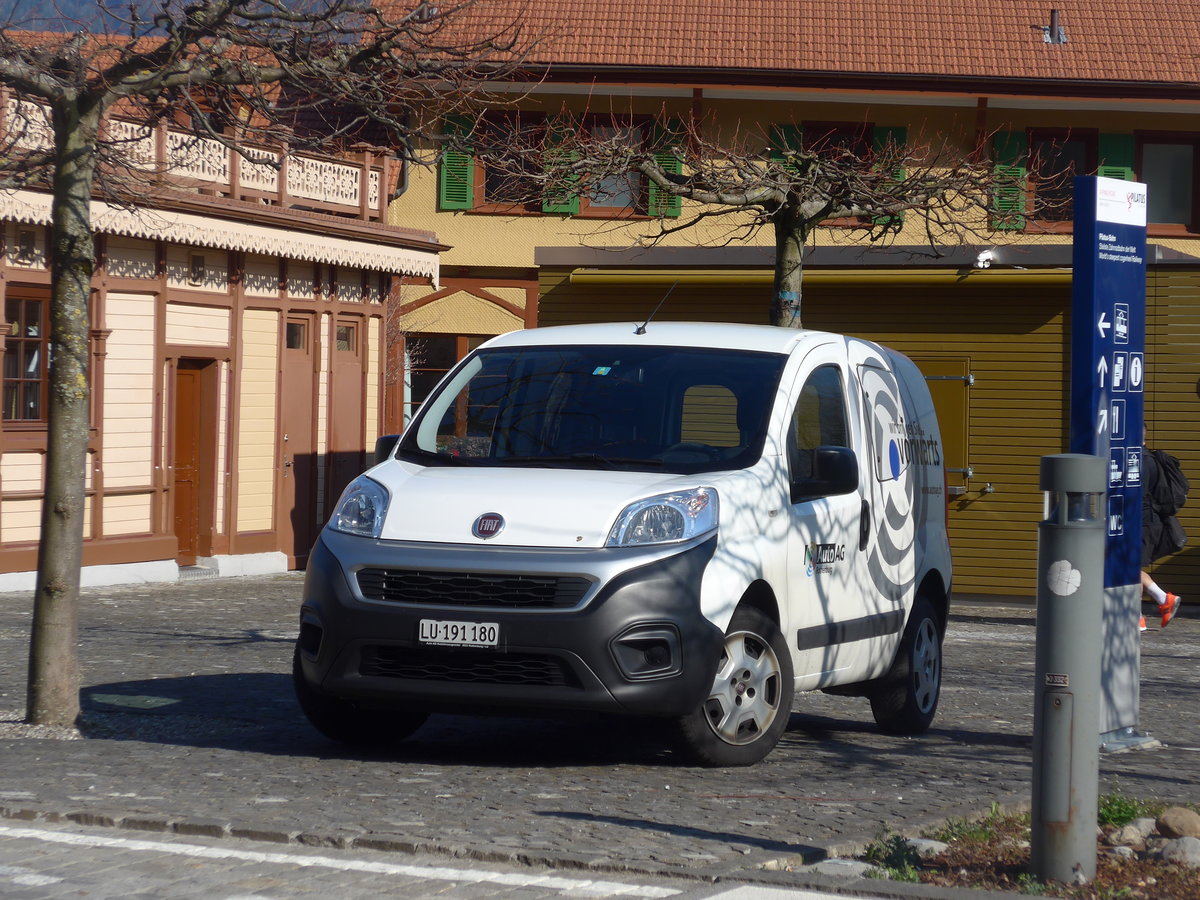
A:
{"x": 191, "y": 729}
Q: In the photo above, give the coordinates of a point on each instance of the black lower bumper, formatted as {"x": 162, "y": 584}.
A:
{"x": 638, "y": 645}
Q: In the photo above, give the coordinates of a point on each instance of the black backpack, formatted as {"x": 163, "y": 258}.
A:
{"x": 1172, "y": 489}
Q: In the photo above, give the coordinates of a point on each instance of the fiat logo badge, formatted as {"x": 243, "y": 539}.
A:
{"x": 488, "y": 526}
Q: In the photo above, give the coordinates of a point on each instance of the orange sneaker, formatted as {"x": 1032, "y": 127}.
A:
{"x": 1169, "y": 609}
{"x": 1142, "y": 624}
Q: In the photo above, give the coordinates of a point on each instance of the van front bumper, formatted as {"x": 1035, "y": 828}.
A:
{"x": 617, "y": 630}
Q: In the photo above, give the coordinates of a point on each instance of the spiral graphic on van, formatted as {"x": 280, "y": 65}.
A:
{"x": 893, "y": 453}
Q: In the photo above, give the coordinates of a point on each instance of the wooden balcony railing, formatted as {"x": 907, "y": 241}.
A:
{"x": 356, "y": 185}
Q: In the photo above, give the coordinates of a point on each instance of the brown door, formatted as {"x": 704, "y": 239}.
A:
{"x": 194, "y": 459}
{"x": 347, "y": 411}
{"x": 298, "y": 492}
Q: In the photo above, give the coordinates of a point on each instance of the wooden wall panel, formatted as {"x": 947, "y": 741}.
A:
{"x": 129, "y": 387}
{"x": 256, "y": 453}
{"x": 198, "y": 325}
{"x": 127, "y": 514}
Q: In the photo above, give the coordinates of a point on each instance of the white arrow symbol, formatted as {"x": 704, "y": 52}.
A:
{"x": 1102, "y": 368}
{"x": 1102, "y": 422}
{"x": 1103, "y": 326}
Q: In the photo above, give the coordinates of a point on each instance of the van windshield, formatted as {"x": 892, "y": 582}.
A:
{"x": 663, "y": 409}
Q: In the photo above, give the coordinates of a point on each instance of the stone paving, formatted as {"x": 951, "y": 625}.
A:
{"x": 191, "y": 728}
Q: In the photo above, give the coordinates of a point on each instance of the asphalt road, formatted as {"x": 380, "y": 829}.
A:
{"x": 191, "y": 729}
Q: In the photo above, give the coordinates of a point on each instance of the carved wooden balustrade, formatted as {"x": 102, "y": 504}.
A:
{"x": 356, "y": 185}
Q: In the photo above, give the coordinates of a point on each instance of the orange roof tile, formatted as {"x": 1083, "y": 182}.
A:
{"x": 1107, "y": 41}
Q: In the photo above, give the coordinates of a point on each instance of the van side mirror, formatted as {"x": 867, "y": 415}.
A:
{"x": 835, "y": 472}
{"x": 385, "y": 446}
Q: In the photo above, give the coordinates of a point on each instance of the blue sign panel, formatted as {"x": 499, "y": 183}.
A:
{"x": 1108, "y": 358}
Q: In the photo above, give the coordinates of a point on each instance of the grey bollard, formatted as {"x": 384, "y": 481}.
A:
{"x": 1066, "y": 720}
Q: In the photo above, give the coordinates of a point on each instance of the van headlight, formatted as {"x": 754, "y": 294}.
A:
{"x": 666, "y": 518}
{"x": 361, "y": 508}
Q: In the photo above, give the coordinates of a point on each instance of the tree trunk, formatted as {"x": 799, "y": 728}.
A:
{"x": 53, "y": 696}
{"x": 790, "y": 235}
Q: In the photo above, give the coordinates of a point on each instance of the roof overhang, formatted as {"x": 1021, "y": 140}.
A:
{"x": 822, "y": 276}
{"x": 971, "y": 85}
{"x": 207, "y": 229}
{"x": 1045, "y": 263}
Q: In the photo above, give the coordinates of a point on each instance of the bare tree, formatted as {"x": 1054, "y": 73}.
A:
{"x": 323, "y": 72}
{"x": 751, "y": 181}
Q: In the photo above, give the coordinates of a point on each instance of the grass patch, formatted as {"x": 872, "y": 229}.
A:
{"x": 895, "y": 856}
{"x": 1117, "y": 809}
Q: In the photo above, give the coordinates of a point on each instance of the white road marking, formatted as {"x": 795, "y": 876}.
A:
{"x": 577, "y": 886}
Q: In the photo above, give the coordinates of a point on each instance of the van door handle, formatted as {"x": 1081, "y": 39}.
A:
{"x": 864, "y": 525}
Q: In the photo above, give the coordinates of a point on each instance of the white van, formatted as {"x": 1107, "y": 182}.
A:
{"x": 688, "y": 522}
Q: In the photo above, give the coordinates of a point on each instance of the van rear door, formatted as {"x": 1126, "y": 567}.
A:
{"x": 888, "y": 547}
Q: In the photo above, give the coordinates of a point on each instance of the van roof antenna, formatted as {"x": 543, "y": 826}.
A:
{"x": 641, "y": 329}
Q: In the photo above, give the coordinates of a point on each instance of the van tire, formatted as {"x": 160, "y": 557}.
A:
{"x": 753, "y": 677}
{"x": 346, "y": 722}
{"x": 905, "y": 700}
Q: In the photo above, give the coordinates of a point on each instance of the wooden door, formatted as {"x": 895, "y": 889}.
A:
{"x": 297, "y": 516}
{"x": 194, "y": 458}
{"x": 347, "y": 450}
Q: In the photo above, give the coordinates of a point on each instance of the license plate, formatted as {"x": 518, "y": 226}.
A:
{"x": 458, "y": 634}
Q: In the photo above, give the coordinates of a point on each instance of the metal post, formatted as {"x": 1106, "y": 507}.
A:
{"x": 1066, "y": 718}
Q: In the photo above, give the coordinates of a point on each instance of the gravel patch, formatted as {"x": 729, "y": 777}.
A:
{"x": 13, "y": 725}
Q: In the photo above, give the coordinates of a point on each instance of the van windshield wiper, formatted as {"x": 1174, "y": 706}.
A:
{"x": 426, "y": 458}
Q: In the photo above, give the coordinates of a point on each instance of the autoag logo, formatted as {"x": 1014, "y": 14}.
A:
{"x": 823, "y": 557}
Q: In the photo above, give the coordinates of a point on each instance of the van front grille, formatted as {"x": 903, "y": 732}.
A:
{"x": 466, "y": 666}
{"x": 472, "y": 589}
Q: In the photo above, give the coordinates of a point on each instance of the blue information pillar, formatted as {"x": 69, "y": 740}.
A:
{"x": 1108, "y": 369}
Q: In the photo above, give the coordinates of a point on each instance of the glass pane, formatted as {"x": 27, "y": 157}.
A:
{"x": 832, "y": 140}
{"x": 512, "y": 179}
{"x": 10, "y": 401}
{"x": 33, "y": 318}
{"x": 430, "y": 357}
{"x": 346, "y": 338}
{"x": 819, "y": 419}
{"x": 32, "y": 367}
{"x": 1055, "y": 163}
{"x": 617, "y": 191}
{"x": 33, "y": 401}
{"x": 1167, "y": 170}
{"x": 297, "y": 334}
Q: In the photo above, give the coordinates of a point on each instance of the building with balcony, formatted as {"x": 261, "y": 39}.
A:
{"x": 239, "y": 344}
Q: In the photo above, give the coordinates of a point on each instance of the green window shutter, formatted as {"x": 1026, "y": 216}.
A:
{"x": 784, "y": 138}
{"x": 557, "y": 132}
{"x": 660, "y": 202}
{"x": 1116, "y": 156}
{"x": 882, "y": 139}
{"x": 456, "y": 177}
{"x": 1010, "y": 171}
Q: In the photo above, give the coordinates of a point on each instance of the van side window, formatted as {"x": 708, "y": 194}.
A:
{"x": 818, "y": 421}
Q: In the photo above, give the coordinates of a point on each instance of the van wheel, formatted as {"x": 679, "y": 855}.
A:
{"x": 747, "y": 710}
{"x": 346, "y": 722}
{"x": 905, "y": 700}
